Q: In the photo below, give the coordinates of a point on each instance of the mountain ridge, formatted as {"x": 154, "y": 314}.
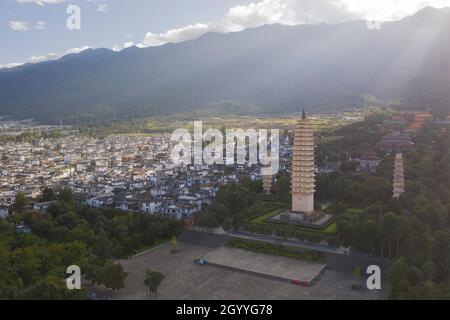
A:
{"x": 273, "y": 69}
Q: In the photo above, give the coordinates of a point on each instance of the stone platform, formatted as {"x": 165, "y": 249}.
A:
{"x": 273, "y": 267}
{"x": 316, "y": 220}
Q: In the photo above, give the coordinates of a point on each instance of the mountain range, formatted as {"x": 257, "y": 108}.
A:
{"x": 273, "y": 69}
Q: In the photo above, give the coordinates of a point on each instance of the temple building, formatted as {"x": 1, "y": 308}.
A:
{"x": 303, "y": 176}
{"x": 420, "y": 120}
{"x": 399, "y": 176}
{"x": 303, "y": 212}
{"x": 396, "y": 122}
{"x": 396, "y": 142}
{"x": 368, "y": 162}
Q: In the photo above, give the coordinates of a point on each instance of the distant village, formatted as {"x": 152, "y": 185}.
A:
{"x": 131, "y": 173}
{"x": 135, "y": 173}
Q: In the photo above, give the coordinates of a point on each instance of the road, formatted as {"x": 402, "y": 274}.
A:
{"x": 337, "y": 258}
{"x": 290, "y": 243}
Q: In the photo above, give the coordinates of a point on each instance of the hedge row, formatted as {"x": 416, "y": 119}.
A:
{"x": 286, "y": 231}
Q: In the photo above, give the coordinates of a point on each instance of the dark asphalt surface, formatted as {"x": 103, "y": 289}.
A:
{"x": 337, "y": 259}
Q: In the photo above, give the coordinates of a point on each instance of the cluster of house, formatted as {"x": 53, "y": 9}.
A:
{"x": 132, "y": 173}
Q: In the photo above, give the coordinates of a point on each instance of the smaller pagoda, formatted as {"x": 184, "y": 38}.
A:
{"x": 399, "y": 176}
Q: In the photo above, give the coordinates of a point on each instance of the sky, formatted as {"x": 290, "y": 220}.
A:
{"x": 36, "y": 30}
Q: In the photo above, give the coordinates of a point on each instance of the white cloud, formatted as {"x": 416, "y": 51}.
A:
{"x": 47, "y": 57}
{"x": 77, "y": 50}
{"x": 33, "y": 59}
{"x": 102, "y": 8}
{"x": 264, "y": 12}
{"x": 289, "y": 12}
{"x": 126, "y": 45}
{"x": 26, "y": 26}
{"x": 331, "y": 11}
{"x": 40, "y": 25}
{"x": 19, "y": 25}
{"x": 181, "y": 34}
{"x": 260, "y": 12}
{"x": 41, "y": 2}
{"x": 294, "y": 12}
{"x": 385, "y": 10}
{"x": 10, "y": 65}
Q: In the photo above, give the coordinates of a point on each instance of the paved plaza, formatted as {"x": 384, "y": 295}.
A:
{"x": 276, "y": 267}
{"x": 185, "y": 280}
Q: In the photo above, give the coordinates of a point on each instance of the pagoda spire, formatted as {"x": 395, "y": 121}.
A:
{"x": 303, "y": 174}
{"x": 399, "y": 176}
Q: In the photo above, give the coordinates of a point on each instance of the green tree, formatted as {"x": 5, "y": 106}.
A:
{"x": 377, "y": 189}
{"x": 441, "y": 253}
{"x": 174, "y": 243}
{"x": 357, "y": 273}
{"x": 207, "y": 220}
{"x": 415, "y": 276}
{"x": 369, "y": 235}
{"x": 398, "y": 278}
{"x": 220, "y": 212}
{"x": 112, "y": 276}
{"x": 18, "y": 208}
{"x": 389, "y": 228}
{"x": 152, "y": 281}
{"x": 51, "y": 288}
{"x": 48, "y": 195}
{"x": 345, "y": 231}
{"x": 103, "y": 247}
{"x": 66, "y": 195}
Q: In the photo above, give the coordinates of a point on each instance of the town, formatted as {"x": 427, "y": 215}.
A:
{"x": 136, "y": 173}
{"x": 128, "y": 173}
{"x": 240, "y": 151}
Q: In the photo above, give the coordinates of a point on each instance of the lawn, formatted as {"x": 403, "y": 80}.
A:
{"x": 331, "y": 229}
{"x": 264, "y": 216}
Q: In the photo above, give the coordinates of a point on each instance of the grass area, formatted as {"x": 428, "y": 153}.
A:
{"x": 274, "y": 249}
{"x": 153, "y": 245}
{"x": 331, "y": 229}
{"x": 263, "y": 217}
{"x": 351, "y": 213}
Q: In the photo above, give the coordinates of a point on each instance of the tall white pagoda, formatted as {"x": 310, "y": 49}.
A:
{"x": 267, "y": 179}
{"x": 303, "y": 176}
{"x": 399, "y": 176}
